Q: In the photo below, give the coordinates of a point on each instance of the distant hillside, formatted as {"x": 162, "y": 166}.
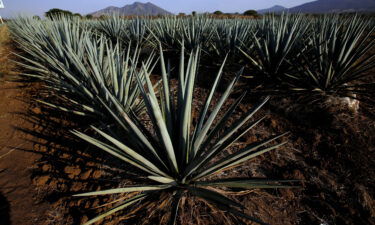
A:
{"x": 329, "y": 6}
{"x": 136, "y": 9}
{"x": 274, "y": 9}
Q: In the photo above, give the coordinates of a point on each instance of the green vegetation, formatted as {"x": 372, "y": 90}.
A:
{"x": 53, "y": 13}
{"x": 78, "y": 67}
{"x": 78, "y": 15}
{"x": 218, "y": 12}
{"x": 277, "y": 41}
{"x": 270, "y": 45}
{"x": 339, "y": 56}
{"x": 176, "y": 159}
{"x": 57, "y": 12}
{"x": 250, "y": 13}
{"x": 101, "y": 69}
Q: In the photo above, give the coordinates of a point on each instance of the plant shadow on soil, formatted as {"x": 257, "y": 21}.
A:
{"x": 4, "y": 210}
{"x": 336, "y": 162}
{"x": 68, "y": 166}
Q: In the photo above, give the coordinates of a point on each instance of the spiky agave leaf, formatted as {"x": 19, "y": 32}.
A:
{"x": 123, "y": 30}
{"x": 113, "y": 27}
{"x": 196, "y": 31}
{"x": 80, "y": 67}
{"x": 166, "y": 30}
{"x": 230, "y": 35}
{"x": 137, "y": 31}
{"x": 277, "y": 41}
{"x": 337, "y": 58}
{"x": 178, "y": 155}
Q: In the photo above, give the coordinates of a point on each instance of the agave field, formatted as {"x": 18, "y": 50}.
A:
{"x": 131, "y": 92}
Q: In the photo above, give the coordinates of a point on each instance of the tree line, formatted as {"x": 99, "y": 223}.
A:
{"x": 60, "y": 12}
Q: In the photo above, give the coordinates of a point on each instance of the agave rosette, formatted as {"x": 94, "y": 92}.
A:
{"x": 166, "y": 31}
{"x": 338, "y": 58}
{"x": 230, "y": 35}
{"x": 177, "y": 157}
{"x": 278, "y": 40}
{"x": 113, "y": 28}
{"x": 82, "y": 69}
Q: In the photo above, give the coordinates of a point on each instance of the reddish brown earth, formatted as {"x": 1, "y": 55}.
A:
{"x": 18, "y": 196}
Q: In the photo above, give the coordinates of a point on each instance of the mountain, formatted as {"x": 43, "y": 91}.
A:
{"x": 135, "y": 9}
{"x": 273, "y": 9}
{"x": 330, "y": 6}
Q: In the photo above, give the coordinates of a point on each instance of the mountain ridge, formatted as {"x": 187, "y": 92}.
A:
{"x": 135, "y": 9}
{"x": 325, "y": 6}
{"x": 330, "y": 6}
{"x": 273, "y": 9}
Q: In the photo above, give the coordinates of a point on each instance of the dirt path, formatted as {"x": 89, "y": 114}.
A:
{"x": 17, "y": 194}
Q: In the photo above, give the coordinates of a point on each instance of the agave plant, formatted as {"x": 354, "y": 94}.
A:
{"x": 177, "y": 157}
{"x": 79, "y": 68}
{"x": 230, "y": 35}
{"x": 166, "y": 30}
{"x": 114, "y": 28}
{"x": 104, "y": 71}
{"x": 278, "y": 40}
{"x": 338, "y": 57}
{"x": 196, "y": 31}
{"x": 137, "y": 31}
{"x": 44, "y": 39}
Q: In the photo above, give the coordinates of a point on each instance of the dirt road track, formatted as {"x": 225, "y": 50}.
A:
{"x": 17, "y": 194}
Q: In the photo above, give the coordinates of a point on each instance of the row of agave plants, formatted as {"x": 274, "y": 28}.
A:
{"x": 100, "y": 70}
{"x": 95, "y": 78}
{"x": 315, "y": 56}
{"x": 287, "y": 54}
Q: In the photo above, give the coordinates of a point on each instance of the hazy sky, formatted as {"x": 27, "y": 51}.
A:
{"x": 38, "y": 7}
